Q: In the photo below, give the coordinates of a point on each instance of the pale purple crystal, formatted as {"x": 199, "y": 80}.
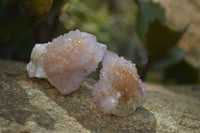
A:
{"x": 119, "y": 90}
{"x": 67, "y": 60}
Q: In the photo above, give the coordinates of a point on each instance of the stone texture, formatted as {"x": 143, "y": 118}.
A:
{"x": 30, "y": 105}
{"x": 180, "y": 13}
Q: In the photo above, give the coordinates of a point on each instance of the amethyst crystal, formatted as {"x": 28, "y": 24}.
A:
{"x": 67, "y": 60}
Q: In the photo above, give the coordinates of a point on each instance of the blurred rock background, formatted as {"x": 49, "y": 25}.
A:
{"x": 161, "y": 36}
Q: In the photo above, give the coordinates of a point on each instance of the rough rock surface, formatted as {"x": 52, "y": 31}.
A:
{"x": 33, "y": 105}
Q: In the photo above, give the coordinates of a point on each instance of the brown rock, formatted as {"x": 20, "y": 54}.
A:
{"x": 33, "y": 105}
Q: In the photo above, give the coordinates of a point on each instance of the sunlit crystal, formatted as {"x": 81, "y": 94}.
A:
{"x": 119, "y": 90}
{"x": 67, "y": 60}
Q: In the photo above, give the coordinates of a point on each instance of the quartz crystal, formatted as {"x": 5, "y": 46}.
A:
{"x": 67, "y": 60}
{"x": 35, "y": 66}
{"x": 119, "y": 90}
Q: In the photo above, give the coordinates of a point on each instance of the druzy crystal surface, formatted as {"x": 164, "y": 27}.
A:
{"x": 67, "y": 60}
{"x": 119, "y": 90}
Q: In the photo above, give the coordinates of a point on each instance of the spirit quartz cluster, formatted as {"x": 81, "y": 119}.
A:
{"x": 68, "y": 59}
{"x": 119, "y": 90}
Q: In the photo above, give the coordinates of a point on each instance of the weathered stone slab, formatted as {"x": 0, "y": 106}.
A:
{"x": 33, "y": 105}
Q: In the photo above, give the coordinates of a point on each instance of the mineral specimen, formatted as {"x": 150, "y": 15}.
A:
{"x": 119, "y": 90}
{"x": 67, "y": 60}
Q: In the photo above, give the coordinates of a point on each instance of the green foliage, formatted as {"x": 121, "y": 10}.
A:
{"x": 37, "y": 7}
{"x": 160, "y": 39}
{"x": 113, "y": 25}
{"x": 90, "y": 16}
{"x": 174, "y": 56}
{"x": 183, "y": 73}
{"x": 148, "y": 12}
{"x": 10, "y": 31}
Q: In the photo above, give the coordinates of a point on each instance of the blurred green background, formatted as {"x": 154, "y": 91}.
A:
{"x": 135, "y": 29}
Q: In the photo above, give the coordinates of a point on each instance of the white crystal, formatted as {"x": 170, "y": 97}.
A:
{"x": 108, "y": 103}
{"x": 35, "y": 66}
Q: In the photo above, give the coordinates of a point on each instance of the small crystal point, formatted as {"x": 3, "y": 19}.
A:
{"x": 119, "y": 90}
